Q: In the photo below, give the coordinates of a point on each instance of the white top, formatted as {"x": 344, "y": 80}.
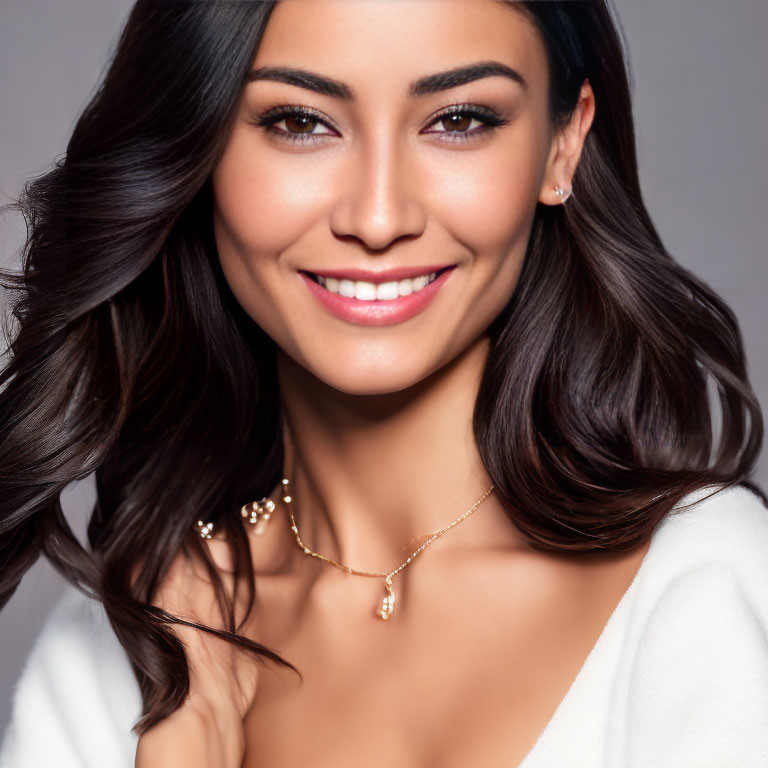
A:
{"x": 677, "y": 679}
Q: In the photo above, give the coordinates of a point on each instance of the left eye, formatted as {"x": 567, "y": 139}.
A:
{"x": 458, "y": 119}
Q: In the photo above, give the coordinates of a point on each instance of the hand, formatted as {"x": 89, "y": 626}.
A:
{"x": 223, "y": 678}
{"x": 191, "y": 737}
{"x": 221, "y": 674}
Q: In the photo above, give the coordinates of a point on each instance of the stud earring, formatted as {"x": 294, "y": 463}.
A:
{"x": 204, "y": 529}
{"x": 258, "y": 514}
{"x": 562, "y": 193}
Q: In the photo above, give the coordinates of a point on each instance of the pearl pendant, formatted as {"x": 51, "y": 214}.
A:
{"x": 388, "y": 601}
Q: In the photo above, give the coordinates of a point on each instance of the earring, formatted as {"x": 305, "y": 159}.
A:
{"x": 562, "y": 193}
{"x": 258, "y": 513}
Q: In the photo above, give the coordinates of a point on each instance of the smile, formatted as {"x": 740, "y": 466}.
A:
{"x": 365, "y": 291}
{"x": 383, "y": 299}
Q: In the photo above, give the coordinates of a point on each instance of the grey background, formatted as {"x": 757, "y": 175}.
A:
{"x": 701, "y": 104}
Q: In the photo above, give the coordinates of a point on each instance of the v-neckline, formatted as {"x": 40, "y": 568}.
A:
{"x": 591, "y": 658}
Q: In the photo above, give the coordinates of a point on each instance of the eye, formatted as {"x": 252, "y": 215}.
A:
{"x": 300, "y": 123}
{"x": 458, "y": 120}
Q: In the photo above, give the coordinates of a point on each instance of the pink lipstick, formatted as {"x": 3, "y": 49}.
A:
{"x": 383, "y": 297}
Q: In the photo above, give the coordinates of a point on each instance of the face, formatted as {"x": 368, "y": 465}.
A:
{"x": 376, "y": 229}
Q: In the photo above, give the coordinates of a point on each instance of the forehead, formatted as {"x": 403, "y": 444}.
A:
{"x": 387, "y": 43}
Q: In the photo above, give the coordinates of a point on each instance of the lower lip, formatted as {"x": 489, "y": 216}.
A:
{"x": 377, "y": 312}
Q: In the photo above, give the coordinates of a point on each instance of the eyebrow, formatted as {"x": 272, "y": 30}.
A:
{"x": 440, "y": 81}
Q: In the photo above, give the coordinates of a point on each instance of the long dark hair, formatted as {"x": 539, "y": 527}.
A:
{"x": 132, "y": 359}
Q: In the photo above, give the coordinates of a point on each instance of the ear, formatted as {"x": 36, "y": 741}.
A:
{"x": 565, "y": 152}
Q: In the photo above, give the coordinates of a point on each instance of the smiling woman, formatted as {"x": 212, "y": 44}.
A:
{"x": 368, "y": 289}
{"x": 429, "y": 179}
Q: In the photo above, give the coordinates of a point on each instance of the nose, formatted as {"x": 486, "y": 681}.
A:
{"x": 378, "y": 200}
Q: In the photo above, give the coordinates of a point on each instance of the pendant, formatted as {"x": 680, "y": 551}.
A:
{"x": 387, "y": 602}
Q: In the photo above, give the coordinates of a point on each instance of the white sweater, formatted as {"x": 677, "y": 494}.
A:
{"x": 677, "y": 679}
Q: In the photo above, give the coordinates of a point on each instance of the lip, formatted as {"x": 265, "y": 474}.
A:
{"x": 377, "y": 312}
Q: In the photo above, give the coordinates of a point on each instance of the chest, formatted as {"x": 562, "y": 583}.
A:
{"x": 464, "y": 676}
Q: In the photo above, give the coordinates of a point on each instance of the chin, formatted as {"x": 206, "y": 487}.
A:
{"x": 372, "y": 384}
{"x": 372, "y": 380}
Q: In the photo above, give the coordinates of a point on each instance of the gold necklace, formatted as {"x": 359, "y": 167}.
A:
{"x": 258, "y": 514}
{"x": 388, "y": 601}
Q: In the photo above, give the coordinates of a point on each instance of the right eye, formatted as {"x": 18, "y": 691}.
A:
{"x": 299, "y": 122}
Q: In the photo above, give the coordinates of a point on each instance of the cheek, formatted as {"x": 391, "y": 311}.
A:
{"x": 262, "y": 206}
{"x": 488, "y": 201}
{"x": 261, "y": 209}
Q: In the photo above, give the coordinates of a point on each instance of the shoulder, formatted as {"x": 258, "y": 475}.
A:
{"x": 78, "y": 682}
{"x": 708, "y": 557}
{"x": 712, "y": 530}
{"x": 699, "y": 674}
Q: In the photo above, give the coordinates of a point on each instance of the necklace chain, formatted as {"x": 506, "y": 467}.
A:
{"x": 385, "y": 611}
{"x": 258, "y": 514}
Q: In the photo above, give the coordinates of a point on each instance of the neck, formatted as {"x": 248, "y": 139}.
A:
{"x": 372, "y": 477}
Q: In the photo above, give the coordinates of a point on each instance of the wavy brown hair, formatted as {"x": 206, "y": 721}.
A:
{"x": 131, "y": 359}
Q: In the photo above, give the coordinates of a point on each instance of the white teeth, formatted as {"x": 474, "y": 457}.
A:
{"x": 387, "y": 291}
{"x": 365, "y": 291}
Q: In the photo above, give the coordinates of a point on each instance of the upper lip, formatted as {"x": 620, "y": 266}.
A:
{"x": 381, "y": 275}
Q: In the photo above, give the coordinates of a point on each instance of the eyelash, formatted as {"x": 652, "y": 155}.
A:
{"x": 487, "y": 117}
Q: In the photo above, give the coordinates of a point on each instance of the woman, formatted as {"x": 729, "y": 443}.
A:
{"x": 387, "y": 380}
